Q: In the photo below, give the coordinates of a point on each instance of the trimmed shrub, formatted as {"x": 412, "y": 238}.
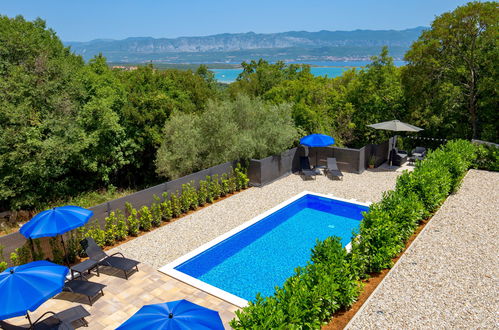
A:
{"x": 145, "y": 219}
{"x": 132, "y": 220}
{"x": 3, "y": 263}
{"x": 156, "y": 212}
{"x": 189, "y": 197}
{"x": 215, "y": 188}
{"x": 166, "y": 208}
{"x": 203, "y": 192}
{"x": 94, "y": 231}
{"x": 121, "y": 226}
{"x": 241, "y": 178}
{"x": 176, "y": 205}
{"x": 110, "y": 229}
{"x": 224, "y": 185}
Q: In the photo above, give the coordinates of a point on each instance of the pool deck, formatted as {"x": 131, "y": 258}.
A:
{"x": 449, "y": 276}
{"x": 123, "y": 298}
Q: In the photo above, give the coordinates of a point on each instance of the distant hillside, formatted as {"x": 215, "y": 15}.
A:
{"x": 227, "y": 47}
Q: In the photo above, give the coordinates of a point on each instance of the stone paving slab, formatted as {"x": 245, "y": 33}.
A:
{"x": 449, "y": 277}
{"x": 122, "y": 298}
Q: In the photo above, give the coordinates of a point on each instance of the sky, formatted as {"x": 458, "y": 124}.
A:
{"x": 118, "y": 19}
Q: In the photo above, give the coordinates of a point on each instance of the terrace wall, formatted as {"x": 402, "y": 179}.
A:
{"x": 266, "y": 170}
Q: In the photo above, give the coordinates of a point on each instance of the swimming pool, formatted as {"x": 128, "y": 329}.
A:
{"x": 263, "y": 253}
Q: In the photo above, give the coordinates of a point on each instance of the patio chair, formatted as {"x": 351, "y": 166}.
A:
{"x": 398, "y": 157}
{"x": 332, "y": 169}
{"x": 305, "y": 168}
{"x": 419, "y": 153}
{"x": 96, "y": 253}
{"x": 62, "y": 320}
{"x": 84, "y": 287}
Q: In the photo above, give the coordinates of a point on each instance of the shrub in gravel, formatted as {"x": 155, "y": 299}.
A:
{"x": 487, "y": 158}
{"x": 166, "y": 208}
{"x": 145, "y": 219}
{"x": 189, "y": 197}
{"x": 215, "y": 187}
{"x": 132, "y": 220}
{"x": 156, "y": 212}
{"x": 176, "y": 205}
{"x": 203, "y": 192}
{"x": 110, "y": 229}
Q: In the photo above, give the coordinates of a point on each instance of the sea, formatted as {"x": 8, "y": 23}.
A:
{"x": 324, "y": 69}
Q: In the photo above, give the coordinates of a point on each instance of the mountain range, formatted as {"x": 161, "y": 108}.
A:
{"x": 236, "y": 47}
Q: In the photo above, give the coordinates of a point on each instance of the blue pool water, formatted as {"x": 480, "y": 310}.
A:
{"x": 230, "y": 75}
{"x": 265, "y": 254}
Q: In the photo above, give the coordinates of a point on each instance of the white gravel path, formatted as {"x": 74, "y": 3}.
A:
{"x": 169, "y": 242}
{"x": 449, "y": 277}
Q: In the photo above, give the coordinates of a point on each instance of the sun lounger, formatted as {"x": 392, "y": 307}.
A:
{"x": 95, "y": 252}
{"x": 306, "y": 170}
{"x": 62, "y": 320}
{"x": 84, "y": 287}
{"x": 332, "y": 169}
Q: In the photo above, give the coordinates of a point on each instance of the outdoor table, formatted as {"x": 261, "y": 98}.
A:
{"x": 318, "y": 168}
{"x": 85, "y": 266}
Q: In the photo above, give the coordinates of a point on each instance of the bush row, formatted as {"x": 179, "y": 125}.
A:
{"x": 119, "y": 225}
{"x": 332, "y": 279}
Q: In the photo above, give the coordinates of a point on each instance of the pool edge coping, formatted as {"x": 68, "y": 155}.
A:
{"x": 169, "y": 270}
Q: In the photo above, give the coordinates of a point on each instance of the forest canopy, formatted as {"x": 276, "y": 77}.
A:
{"x": 67, "y": 126}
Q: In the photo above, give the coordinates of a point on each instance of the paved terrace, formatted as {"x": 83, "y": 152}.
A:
{"x": 123, "y": 298}
{"x": 449, "y": 277}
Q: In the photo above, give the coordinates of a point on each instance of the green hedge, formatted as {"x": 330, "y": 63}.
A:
{"x": 118, "y": 227}
{"x": 332, "y": 279}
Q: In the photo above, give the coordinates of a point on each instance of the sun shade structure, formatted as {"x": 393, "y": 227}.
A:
{"x": 174, "y": 315}
{"x": 56, "y": 221}
{"x": 24, "y": 288}
{"x": 317, "y": 140}
{"x": 396, "y": 126}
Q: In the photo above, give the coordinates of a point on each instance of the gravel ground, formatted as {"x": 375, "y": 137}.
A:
{"x": 449, "y": 277}
{"x": 169, "y": 242}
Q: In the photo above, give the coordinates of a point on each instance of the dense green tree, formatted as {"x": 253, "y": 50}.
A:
{"x": 259, "y": 77}
{"x": 452, "y": 73}
{"x": 151, "y": 97}
{"x": 376, "y": 94}
{"x": 107, "y": 148}
{"x": 226, "y": 131}
{"x": 39, "y": 99}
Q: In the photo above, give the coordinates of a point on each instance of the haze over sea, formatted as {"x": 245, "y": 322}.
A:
{"x": 329, "y": 69}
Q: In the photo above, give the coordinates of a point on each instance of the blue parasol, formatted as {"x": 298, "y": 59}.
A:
{"x": 56, "y": 221}
{"x": 24, "y": 288}
{"x": 174, "y": 315}
{"x": 317, "y": 140}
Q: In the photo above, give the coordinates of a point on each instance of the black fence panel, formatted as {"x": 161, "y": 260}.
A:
{"x": 141, "y": 198}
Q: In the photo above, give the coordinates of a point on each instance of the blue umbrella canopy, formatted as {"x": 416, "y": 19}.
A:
{"x": 317, "y": 140}
{"x": 56, "y": 221}
{"x": 174, "y": 315}
{"x": 24, "y": 288}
